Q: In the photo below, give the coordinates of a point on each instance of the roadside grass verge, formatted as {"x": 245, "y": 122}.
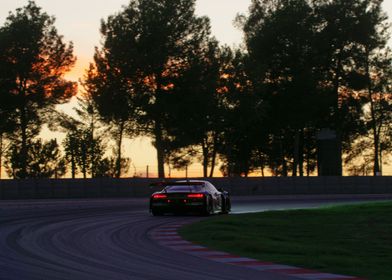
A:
{"x": 351, "y": 240}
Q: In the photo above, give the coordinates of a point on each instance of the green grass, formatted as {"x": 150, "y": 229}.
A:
{"x": 351, "y": 240}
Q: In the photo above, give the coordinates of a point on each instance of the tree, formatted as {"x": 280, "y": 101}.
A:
{"x": 7, "y": 107}
{"x": 84, "y": 152}
{"x": 279, "y": 36}
{"x": 36, "y": 59}
{"x": 7, "y": 99}
{"x": 374, "y": 85}
{"x": 71, "y": 149}
{"x": 373, "y": 75}
{"x": 44, "y": 160}
{"x": 86, "y": 138}
{"x": 309, "y": 62}
{"x": 108, "y": 167}
{"x": 114, "y": 102}
{"x": 148, "y": 43}
{"x": 4, "y": 145}
{"x": 194, "y": 125}
{"x": 345, "y": 30}
{"x": 242, "y": 117}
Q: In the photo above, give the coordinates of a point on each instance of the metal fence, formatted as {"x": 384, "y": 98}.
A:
{"x": 150, "y": 171}
{"x": 140, "y": 187}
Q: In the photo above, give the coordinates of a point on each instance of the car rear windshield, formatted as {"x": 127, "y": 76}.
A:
{"x": 186, "y": 188}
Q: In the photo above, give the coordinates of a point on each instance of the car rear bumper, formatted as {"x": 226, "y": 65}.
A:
{"x": 178, "y": 207}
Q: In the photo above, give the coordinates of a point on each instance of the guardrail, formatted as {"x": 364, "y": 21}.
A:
{"x": 139, "y": 187}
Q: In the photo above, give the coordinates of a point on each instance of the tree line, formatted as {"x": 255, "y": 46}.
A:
{"x": 304, "y": 67}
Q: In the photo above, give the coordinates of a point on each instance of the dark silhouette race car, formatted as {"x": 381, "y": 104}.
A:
{"x": 193, "y": 196}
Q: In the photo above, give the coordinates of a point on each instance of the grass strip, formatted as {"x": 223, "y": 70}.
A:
{"x": 351, "y": 240}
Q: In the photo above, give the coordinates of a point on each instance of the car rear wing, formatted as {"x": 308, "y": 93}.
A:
{"x": 165, "y": 184}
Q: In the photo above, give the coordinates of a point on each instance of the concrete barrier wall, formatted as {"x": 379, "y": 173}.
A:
{"x": 139, "y": 187}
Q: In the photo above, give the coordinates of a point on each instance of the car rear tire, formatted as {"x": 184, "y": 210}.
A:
{"x": 209, "y": 208}
{"x": 226, "y": 206}
{"x": 156, "y": 212}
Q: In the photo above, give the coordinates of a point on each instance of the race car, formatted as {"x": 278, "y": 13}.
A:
{"x": 189, "y": 197}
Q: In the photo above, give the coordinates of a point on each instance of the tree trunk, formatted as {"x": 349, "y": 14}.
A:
{"x": 160, "y": 149}
{"x": 73, "y": 164}
{"x": 296, "y": 153}
{"x": 261, "y": 159}
{"x": 301, "y": 153}
{"x": 283, "y": 160}
{"x": 84, "y": 162}
{"x": 376, "y": 135}
{"x": 307, "y": 165}
{"x": 23, "y": 151}
{"x": 23, "y": 128}
{"x": 338, "y": 119}
{"x": 84, "y": 169}
{"x": 119, "y": 152}
{"x": 284, "y": 167}
{"x": 376, "y": 165}
{"x": 213, "y": 158}
{"x": 92, "y": 148}
{"x": 205, "y": 157}
{"x": 159, "y": 145}
{"x": 380, "y": 157}
{"x": 307, "y": 150}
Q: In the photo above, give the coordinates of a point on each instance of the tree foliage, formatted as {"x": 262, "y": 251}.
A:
{"x": 309, "y": 62}
{"x": 115, "y": 103}
{"x": 44, "y": 160}
{"x": 147, "y": 44}
{"x": 194, "y": 124}
{"x": 36, "y": 59}
{"x": 84, "y": 153}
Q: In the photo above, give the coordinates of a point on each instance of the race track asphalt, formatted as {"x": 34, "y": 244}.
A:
{"x": 109, "y": 239}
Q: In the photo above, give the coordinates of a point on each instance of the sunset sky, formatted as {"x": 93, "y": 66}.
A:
{"x": 79, "y": 21}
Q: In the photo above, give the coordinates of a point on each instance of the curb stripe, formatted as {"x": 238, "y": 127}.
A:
{"x": 184, "y": 248}
{"x": 228, "y": 260}
{"x": 202, "y": 250}
{"x": 176, "y": 243}
{"x": 225, "y": 256}
{"x": 275, "y": 268}
{"x": 203, "y": 253}
{"x": 167, "y": 238}
{"x": 324, "y": 276}
{"x": 252, "y": 263}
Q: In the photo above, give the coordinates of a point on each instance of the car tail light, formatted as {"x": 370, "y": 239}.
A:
{"x": 196, "y": 195}
{"x": 159, "y": 196}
